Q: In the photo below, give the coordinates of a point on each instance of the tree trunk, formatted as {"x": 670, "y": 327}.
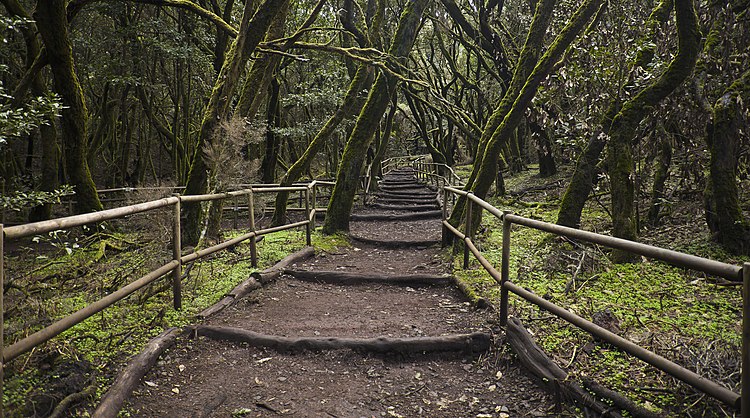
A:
{"x": 350, "y": 105}
{"x": 48, "y": 132}
{"x": 582, "y": 181}
{"x": 546, "y": 157}
{"x": 273, "y": 119}
{"x": 525, "y": 65}
{"x": 53, "y": 26}
{"x": 251, "y": 33}
{"x": 661, "y": 173}
{"x": 488, "y": 169}
{"x": 625, "y": 124}
{"x": 723, "y": 211}
{"x": 350, "y": 167}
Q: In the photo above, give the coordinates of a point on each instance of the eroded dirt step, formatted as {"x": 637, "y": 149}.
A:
{"x": 406, "y": 194}
{"x": 202, "y": 378}
{"x": 425, "y": 229}
{"x": 404, "y": 207}
{"x": 391, "y": 216}
{"x": 423, "y": 198}
{"x": 294, "y": 308}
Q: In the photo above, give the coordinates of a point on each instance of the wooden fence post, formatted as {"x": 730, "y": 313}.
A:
{"x": 468, "y": 228}
{"x": 446, "y": 233}
{"x": 505, "y": 269}
{"x": 314, "y": 205}
{"x": 308, "y": 229}
{"x": 251, "y": 213}
{"x": 177, "y": 255}
{"x": 745, "y": 378}
{"x": 235, "y": 209}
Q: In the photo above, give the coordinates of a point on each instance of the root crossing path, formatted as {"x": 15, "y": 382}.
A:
{"x": 370, "y": 330}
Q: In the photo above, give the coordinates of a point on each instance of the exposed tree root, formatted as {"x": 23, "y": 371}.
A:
{"x": 129, "y": 378}
{"x": 71, "y": 399}
{"x": 394, "y": 244}
{"x": 274, "y": 272}
{"x": 256, "y": 281}
{"x": 341, "y": 277}
{"x": 536, "y": 361}
{"x": 473, "y": 343}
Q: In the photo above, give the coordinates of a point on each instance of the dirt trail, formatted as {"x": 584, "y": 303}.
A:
{"x": 206, "y": 378}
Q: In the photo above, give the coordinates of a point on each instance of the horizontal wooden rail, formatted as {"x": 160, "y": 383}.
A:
{"x": 673, "y": 257}
{"x": 36, "y": 228}
{"x": 39, "y": 337}
{"x": 15, "y": 232}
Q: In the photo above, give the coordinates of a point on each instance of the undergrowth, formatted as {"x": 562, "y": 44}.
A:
{"x": 679, "y": 314}
{"x": 50, "y": 277}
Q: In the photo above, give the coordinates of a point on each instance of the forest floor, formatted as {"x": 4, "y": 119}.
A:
{"x": 203, "y": 377}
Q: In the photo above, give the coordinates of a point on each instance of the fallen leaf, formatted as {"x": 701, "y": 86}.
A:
{"x": 181, "y": 367}
{"x": 263, "y": 360}
{"x": 176, "y": 390}
{"x": 152, "y": 384}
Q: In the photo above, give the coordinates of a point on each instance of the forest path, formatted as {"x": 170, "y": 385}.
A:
{"x": 352, "y": 295}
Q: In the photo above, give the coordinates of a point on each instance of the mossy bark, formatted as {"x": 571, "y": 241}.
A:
{"x": 273, "y": 121}
{"x": 582, "y": 181}
{"x": 350, "y": 167}
{"x": 52, "y": 23}
{"x": 527, "y": 60}
{"x": 351, "y": 105}
{"x": 661, "y": 174}
{"x": 251, "y": 33}
{"x": 488, "y": 168}
{"x": 625, "y": 124}
{"x": 723, "y": 210}
{"x": 47, "y": 133}
{"x": 255, "y": 89}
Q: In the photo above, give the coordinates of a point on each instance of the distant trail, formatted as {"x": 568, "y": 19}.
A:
{"x": 373, "y": 329}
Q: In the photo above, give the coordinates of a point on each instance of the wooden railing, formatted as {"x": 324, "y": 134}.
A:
{"x": 502, "y": 277}
{"x": 174, "y": 266}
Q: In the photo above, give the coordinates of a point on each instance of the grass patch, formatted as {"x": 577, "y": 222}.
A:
{"x": 46, "y": 282}
{"x": 679, "y": 314}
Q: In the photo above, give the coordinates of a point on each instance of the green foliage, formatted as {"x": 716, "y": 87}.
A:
{"x": 27, "y": 199}
{"x": 18, "y": 121}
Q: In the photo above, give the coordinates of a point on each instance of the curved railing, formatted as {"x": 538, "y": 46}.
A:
{"x": 502, "y": 277}
{"x": 174, "y": 266}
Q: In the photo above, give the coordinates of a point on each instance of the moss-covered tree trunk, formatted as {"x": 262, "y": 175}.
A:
{"x": 273, "y": 120}
{"x": 251, "y": 32}
{"x": 661, "y": 174}
{"x": 255, "y": 88}
{"x": 582, "y": 181}
{"x": 488, "y": 168}
{"x": 351, "y": 105}
{"x": 723, "y": 210}
{"x": 350, "y": 167}
{"x": 625, "y": 124}
{"x": 525, "y": 65}
{"x": 47, "y": 132}
{"x": 52, "y": 23}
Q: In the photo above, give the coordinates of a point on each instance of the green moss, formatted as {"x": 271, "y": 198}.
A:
{"x": 50, "y": 287}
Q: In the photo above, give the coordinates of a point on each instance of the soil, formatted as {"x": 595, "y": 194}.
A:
{"x": 202, "y": 377}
